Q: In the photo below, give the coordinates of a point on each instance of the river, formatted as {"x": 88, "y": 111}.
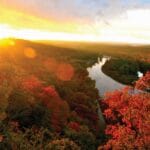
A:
{"x": 103, "y": 82}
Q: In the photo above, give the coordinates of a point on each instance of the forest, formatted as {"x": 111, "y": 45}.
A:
{"x": 48, "y": 101}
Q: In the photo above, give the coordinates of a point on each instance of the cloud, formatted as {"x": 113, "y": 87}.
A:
{"x": 76, "y": 10}
{"x": 107, "y": 19}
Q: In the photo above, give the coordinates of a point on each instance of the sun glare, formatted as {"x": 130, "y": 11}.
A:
{"x": 31, "y": 34}
{"x": 29, "y": 52}
{"x": 6, "y": 42}
{"x": 4, "y": 31}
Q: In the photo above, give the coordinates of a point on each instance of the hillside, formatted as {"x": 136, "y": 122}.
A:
{"x": 48, "y": 100}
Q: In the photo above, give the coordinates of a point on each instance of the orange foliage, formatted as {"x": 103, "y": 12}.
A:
{"x": 127, "y": 116}
{"x": 144, "y": 82}
{"x": 50, "y": 98}
{"x": 59, "y": 108}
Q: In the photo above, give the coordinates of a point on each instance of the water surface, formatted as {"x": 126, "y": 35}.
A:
{"x": 103, "y": 82}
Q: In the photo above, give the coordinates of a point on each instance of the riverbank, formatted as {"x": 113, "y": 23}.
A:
{"x": 125, "y": 71}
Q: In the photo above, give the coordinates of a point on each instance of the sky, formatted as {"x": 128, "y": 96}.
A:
{"x": 87, "y": 20}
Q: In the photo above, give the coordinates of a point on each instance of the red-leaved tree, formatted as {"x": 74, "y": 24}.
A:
{"x": 144, "y": 82}
{"x": 49, "y": 97}
{"x": 127, "y": 117}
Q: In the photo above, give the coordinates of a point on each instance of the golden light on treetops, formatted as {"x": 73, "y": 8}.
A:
{"x": 6, "y": 42}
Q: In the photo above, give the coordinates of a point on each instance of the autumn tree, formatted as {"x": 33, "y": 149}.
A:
{"x": 62, "y": 144}
{"x": 144, "y": 82}
{"x": 81, "y": 135}
{"x": 31, "y": 138}
{"x": 23, "y": 108}
{"x": 49, "y": 97}
{"x": 127, "y": 116}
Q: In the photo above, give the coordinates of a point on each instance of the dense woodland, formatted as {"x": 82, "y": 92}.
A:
{"x": 47, "y": 101}
{"x": 125, "y": 70}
